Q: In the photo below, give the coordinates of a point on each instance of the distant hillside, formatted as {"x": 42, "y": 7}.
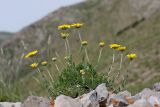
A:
{"x": 4, "y": 36}
{"x": 134, "y": 23}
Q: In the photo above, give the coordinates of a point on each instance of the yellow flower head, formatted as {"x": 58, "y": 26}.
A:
{"x": 54, "y": 59}
{"x": 31, "y": 54}
{"x": 102, "y": 44}
{"x": 66, "y": 57}
{"x": 122, "y": 48}
{"x": 78, "y": 86}
{"x": 84, "y": 43}
{"x": 64, "y": 35}
{"x": 44, "y": 63}
{"x": 132, "y": 56}
{"x": 114, "y": 46}
{"x": 34, "y": 65}
{"x": 82, "y": 72}
{"x": 64, "y": 27}
{"x": 77, "y": 25}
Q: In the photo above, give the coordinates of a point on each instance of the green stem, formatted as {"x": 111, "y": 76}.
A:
{"x": 83, "y": 79}
{"x": 92, "y": 80}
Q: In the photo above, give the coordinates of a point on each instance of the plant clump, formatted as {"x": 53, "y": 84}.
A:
{"x": 78, "y": 78}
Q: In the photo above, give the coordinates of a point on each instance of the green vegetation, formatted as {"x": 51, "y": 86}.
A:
{"x": 72, "y": 82}
{"x": 10, "y": 92}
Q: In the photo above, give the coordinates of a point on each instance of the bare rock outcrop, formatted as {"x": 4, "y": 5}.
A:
{"x": 34, "y": 101}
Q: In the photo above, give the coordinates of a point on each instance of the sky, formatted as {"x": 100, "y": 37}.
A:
{"x": 16, "y": 14}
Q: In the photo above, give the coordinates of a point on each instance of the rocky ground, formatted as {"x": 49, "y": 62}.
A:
{"x": 99, "y": 97}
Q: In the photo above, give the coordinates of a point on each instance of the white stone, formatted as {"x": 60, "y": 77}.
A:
{"x": 89, "y": 100}
{"x": 154, "y": 100}
{"x": 102, "y": 93}
{"x": 156, "y": 86}
{"x": 34, "y": 101}
{"x": 65, "y": 101}
{"x": 10, "y": 104}
{"x": 140, "y": 103}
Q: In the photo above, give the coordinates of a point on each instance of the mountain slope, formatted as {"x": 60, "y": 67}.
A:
{"x": 4, "y": 36}
{"x": 132, "y": 23}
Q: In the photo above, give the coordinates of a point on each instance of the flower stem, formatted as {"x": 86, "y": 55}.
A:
{"x": 66, "y": 47}
{"x": 48, "y": 45}
{"x": 86, "y": 54}
{"x": 38, "y": 70}
{"x": 50, "y": 75}
{"x": 113, "y": 57}
{"x": 43, "y": 77}
{"x": 100, "y": 53}
{"x": 59, "y": 59}
{"x": 57, "y": 67}
{"x": 121, "y": 61}
{"x": 69, "y": 51}
{"x": 80, "y": 37}
{"x": 130, "y": 63}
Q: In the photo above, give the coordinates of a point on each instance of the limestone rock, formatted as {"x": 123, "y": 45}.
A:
{"x": 146, "y": 93}
{"x": 102, "y": 93}
{"x": 95, "y": 98}
{"x": 65, "y": 101}
{"x": 154, "y": 101}
{"x": 1, "y": 105}
{"x": 34, "y": 101}
{"x": 121, "y": 99}
{"x": 156, "y": 87}
{"x": 9, "y": 104}
{"x": 141, "y": 103}
{"x": 89, "y": 100}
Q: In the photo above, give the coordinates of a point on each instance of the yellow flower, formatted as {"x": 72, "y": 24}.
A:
{"x": 84, "y": 43}
{"x": 114, "y": 46}
{"x": 64, "y": 35}
{"x": 66, "y": 57}
{"x": 34, "y": 65}
{"x": 82, "y": 72}
{"x": 102, "y": 44}
{"x": 31, "y": 54}
{"x": 54, "y": 59}
{"x": 44, "y": 63}
{"x": 122, "y": 48}
{"x": 132, "y": 56}
{"x": 78, "y": 86}
{"x": 64, "y": 27}
{"x": 77, "y": 25}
